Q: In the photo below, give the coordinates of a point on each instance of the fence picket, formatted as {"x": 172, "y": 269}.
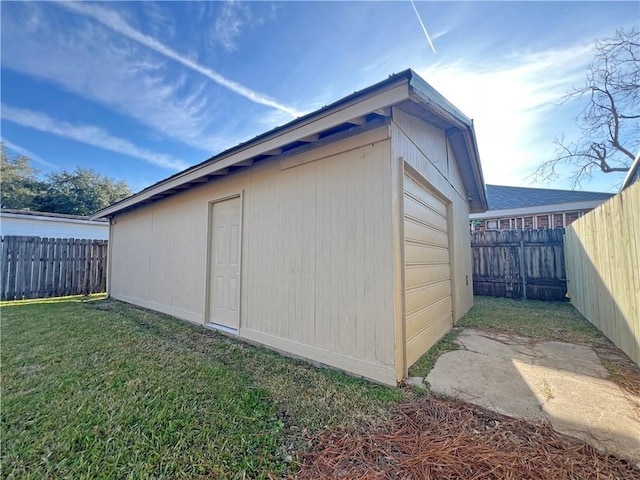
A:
{"x": 28, "y": 266}
{"x": 86, "y": 277}
{"x": 44, "y": 258}
{"x": 4, "y": 272}
{"x": 73, "y": 252}
{"x": 35, "y": 276}
{"x": 69, "y": 267}
{"x": 102, "y": 266}
{"x": 62, "y": 288}
{"x": 12, "y": 246}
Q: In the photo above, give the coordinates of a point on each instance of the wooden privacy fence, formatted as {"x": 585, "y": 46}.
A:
{"x": 35, "y": 267}
{"x": 519, "y": 264}
{"x": 603, "y": 268}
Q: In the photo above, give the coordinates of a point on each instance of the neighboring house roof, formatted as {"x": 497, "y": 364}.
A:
{"x": 51, "y": 225}
{"x": 521, "y": 201}
{"x": 634, "y": 173}
{"x": 501, "y": 197}
{"x": 32, "y": 213}
{"x": 363, "y": 109}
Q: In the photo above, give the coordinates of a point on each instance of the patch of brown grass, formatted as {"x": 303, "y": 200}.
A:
{"x": 442, "y": 439}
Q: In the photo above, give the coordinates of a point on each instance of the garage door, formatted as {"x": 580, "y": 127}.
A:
{"x": 427, "y": 270}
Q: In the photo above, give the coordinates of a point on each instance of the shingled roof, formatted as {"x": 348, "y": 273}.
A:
{"x": 501, "y": 198}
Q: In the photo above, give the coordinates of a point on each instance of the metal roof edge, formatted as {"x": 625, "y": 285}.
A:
{"x": 634, "y": 166}
{"x": 432, "y": 99}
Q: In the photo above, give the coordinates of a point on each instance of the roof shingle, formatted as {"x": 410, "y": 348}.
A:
{"x": 501, "y": 198}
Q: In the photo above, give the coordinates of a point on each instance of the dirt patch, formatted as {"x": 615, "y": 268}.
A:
{"x": 432, "y": 438}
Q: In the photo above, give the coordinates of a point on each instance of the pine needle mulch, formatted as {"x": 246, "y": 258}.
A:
{"x": 444, "y": 439}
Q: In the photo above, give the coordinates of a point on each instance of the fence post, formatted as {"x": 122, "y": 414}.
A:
{"x": 523, "y": 268}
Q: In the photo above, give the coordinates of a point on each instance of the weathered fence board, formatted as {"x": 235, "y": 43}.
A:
{"x": 34, "y": 267}
{"x": 519, "y": 264}
{"x": 603, "y": 268}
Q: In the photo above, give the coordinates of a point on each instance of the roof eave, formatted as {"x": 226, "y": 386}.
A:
{"x": 472, "y": 176}
{"x": 374, "y": 98}
{"x": 397, "y": 88}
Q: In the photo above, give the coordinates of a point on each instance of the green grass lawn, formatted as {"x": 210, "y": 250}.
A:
{"x": 94, "y": 388}
{"x": 558, "y": 321}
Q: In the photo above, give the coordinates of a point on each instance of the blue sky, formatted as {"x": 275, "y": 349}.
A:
{"x": 140, "y": 90}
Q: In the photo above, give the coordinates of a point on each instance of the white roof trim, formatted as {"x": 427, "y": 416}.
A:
{"x": 54, "y": 219}
{"x": 540, "y": 209}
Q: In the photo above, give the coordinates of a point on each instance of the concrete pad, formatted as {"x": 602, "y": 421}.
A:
{"x": 561, "y": 383}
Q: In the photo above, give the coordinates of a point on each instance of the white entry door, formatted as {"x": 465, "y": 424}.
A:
{"x": 224, "y": 266}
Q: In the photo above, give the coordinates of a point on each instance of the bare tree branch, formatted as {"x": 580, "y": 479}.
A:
{"x": 608, "y": 122}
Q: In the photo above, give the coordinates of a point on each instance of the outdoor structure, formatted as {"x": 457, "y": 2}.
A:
{"x": 531, "y": 208}
{"x": 341, "y": 237}
{"x": 26, "y": 223}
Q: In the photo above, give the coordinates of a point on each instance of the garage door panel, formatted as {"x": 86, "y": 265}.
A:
{"x": 418, "y": 212}
{"x": 421, "y": 343}
{"x": 413, "y": 189}
{"x": 428, "y": 300}
{"x": 425, "y": 254}
{"x": 417, "y": 233}
{"x": 427, "y": 294}
{"x": 420, "y": 274}
{"x": 423, "y": 320}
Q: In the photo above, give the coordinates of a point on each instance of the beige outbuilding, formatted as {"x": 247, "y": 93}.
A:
{"x": 341, "y": 237}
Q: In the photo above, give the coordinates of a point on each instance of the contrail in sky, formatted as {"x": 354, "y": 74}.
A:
{"x": 28, "y": 153}
{"x": 89, "y": 134}
{"x": 112, "y": 20}
{"x": 424, "y": 29}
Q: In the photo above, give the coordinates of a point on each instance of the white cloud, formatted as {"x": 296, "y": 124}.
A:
{"x": 513, "y": 106}
{"x": 229, "y": 23}
{"x": 28, "y": 153}
{"x": 91, "y": 63}
{"x": 89, "y": 134}
{"x": 113, "y": 21}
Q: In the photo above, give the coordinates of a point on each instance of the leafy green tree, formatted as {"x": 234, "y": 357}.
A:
{"x": 20, "y": 187}
{"x": 81, "y": 192}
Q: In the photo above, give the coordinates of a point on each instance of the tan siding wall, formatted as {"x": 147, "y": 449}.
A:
{"x": 317, "y": 273}
{"x": 602, "y": 254}
{"x": 159, "y": 251}
{"x": 424, "y": 147}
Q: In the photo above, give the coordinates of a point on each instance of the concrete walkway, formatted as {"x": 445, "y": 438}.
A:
{"x": 561, "y": 383}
